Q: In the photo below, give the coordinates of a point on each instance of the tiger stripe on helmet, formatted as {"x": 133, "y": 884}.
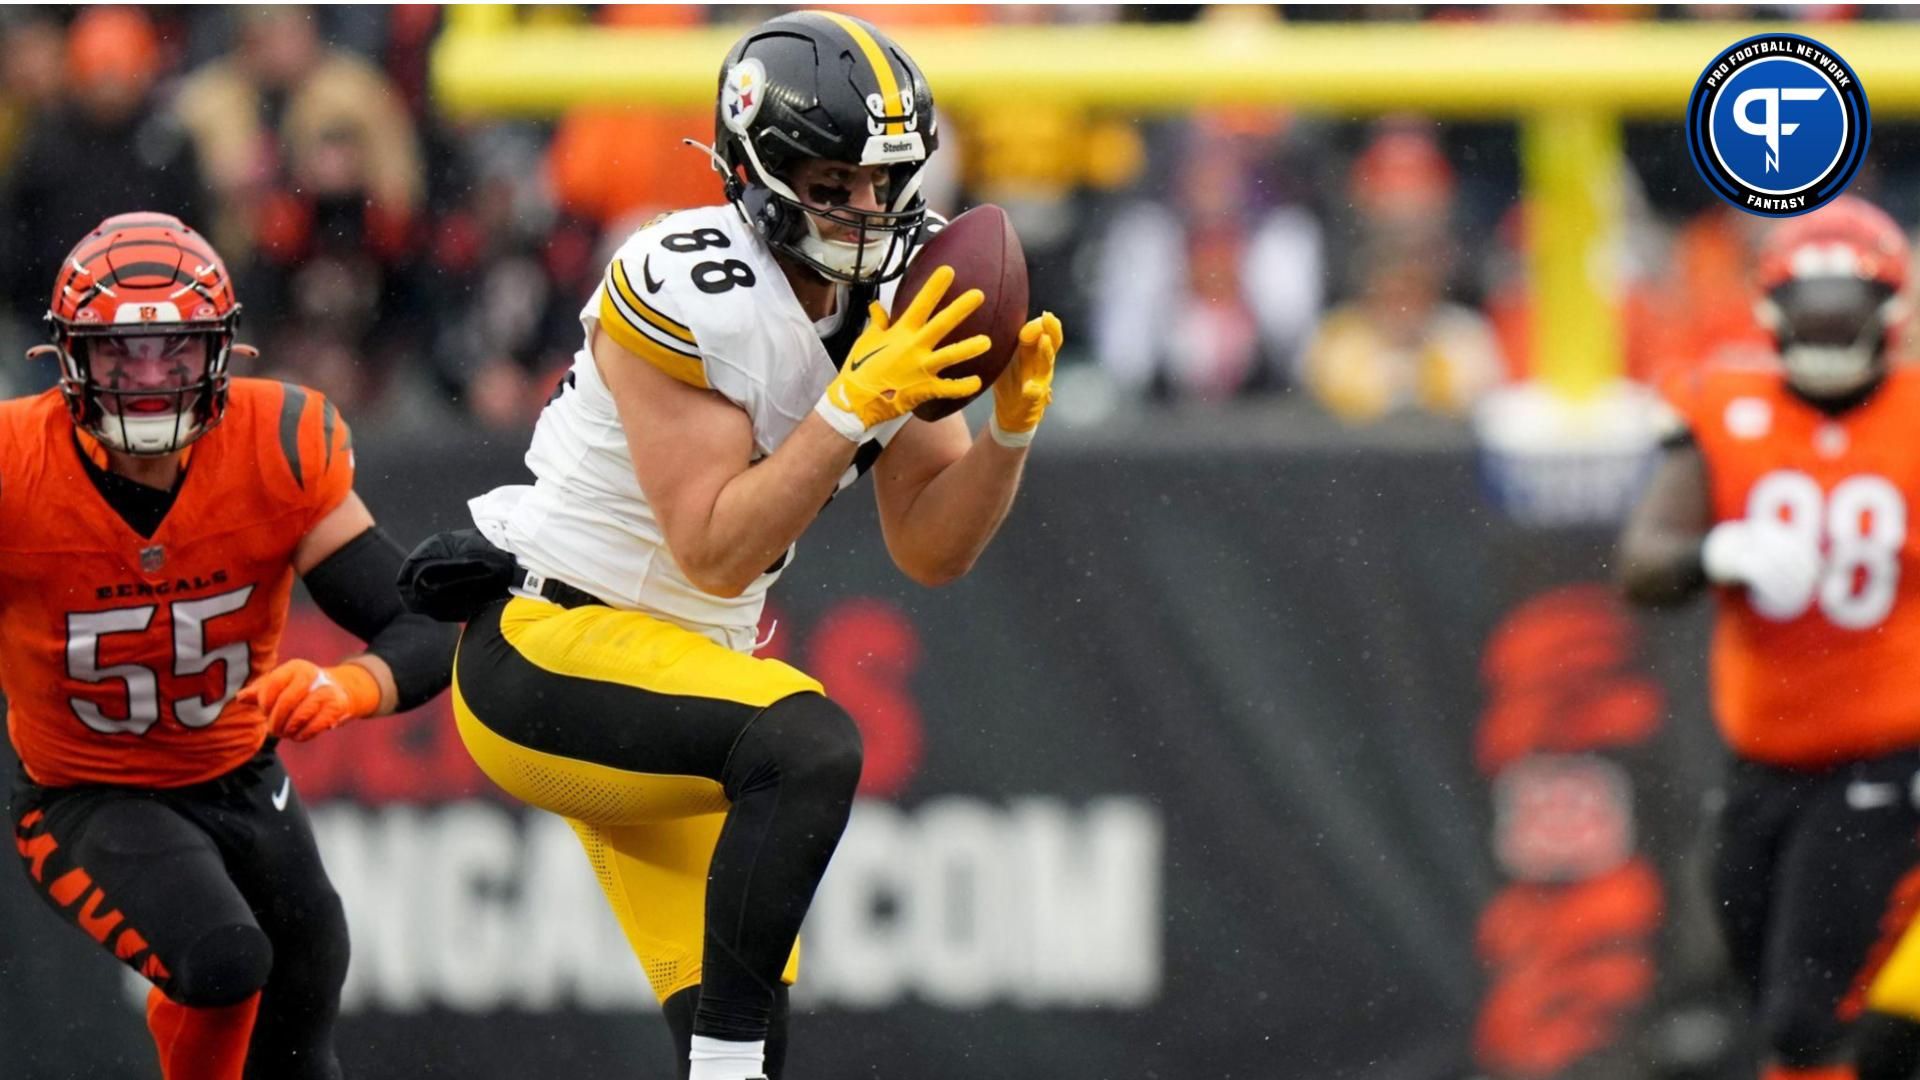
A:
{"x": 882, "y": 66}
{"x": 144, "y": 252}
{"x": 1875, "y": 242}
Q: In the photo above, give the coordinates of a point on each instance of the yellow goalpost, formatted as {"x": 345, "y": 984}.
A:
{"x": 1567, "y": 84}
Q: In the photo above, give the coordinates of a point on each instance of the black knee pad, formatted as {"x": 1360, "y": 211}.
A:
{"x": 314, "y": 953}
{"x": 1803, "y": 1035}
{"x": 225, "y": 967}
{"x": 804, "y": 740}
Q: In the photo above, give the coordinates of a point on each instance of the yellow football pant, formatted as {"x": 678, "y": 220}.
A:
{"x": 619, "y": 723}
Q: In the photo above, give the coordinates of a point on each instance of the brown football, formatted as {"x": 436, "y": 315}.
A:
{"x": 985, "y": 254}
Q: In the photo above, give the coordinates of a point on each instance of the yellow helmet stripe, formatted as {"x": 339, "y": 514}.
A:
{"x": 882, "y": 70}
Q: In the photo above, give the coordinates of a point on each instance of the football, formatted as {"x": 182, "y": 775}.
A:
{"x": 985, "y": 254}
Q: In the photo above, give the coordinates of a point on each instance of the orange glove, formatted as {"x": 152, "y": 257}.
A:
{"x": 303, "y": 699}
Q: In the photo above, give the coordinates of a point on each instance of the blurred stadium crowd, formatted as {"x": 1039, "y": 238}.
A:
{"x": 412, "y": 265}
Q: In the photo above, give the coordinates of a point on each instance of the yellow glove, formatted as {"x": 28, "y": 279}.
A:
{"x": 303, "y": 699}
{"x": 1021, "y": 393}
{"x": 892, "y": 369}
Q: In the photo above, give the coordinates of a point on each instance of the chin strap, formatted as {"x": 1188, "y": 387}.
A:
{"x": 719, "y": 163}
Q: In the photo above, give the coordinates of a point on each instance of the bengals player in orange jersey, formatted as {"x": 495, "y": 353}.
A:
{"x": 153, "y": 514}
{"x": 1791, "y": 490}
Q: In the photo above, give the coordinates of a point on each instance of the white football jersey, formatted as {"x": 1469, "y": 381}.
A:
{"x": 698, "y": 295}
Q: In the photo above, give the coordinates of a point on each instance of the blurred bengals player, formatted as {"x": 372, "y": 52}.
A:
{"x": 153, "y": 514}
{"x": 1789, "y": 489}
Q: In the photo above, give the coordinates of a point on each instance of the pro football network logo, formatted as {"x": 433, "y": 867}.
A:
{"x": 1778, "y": 124}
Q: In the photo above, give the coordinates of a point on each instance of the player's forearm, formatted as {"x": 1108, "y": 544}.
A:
{"x": 382, "y": 675}
{"x": 1659, "y": 551}
{"x": 409, "y": 655}
{"x": 763, "y": 510}
{"x": 940, "y": 535}
{"x": 1659, "y": 567}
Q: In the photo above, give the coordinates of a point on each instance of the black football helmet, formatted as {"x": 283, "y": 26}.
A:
{"x": 818, "y": 84}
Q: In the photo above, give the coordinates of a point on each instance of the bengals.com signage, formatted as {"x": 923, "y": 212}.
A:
{"x": 1256, "y": 764}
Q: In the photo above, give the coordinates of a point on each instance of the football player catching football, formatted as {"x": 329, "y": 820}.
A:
{"x": 738, "y": 369}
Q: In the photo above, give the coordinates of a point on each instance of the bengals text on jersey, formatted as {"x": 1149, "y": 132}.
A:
{"x": 120, "y": 654}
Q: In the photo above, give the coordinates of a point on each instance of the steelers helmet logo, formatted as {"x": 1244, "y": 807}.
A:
{"x": 1778, "y": 125}
{"x": 741, "y": 93}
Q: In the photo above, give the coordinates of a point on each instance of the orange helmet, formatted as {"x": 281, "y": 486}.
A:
{"x": 1847, "y": 236}
{"x": 147, "y": 276}
{"x": 1830, "y": 284}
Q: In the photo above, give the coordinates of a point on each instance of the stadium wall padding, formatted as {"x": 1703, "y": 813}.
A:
{"x": 1248, "y": 762}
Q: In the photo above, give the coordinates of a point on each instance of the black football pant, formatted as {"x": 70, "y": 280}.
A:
{"x": 211, "y": 892}
{"x": 1807, "y": 867}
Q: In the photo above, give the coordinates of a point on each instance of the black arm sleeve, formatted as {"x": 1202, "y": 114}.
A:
{"x": 354, "y": 587}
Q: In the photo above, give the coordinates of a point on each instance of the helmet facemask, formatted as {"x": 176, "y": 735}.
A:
{"x": 878, "y": 242}
{"x": 148, "y": 392}
{"x": 1831, "y": 331}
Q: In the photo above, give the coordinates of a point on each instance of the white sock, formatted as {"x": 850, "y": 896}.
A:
{"x": 718, "y": 1059}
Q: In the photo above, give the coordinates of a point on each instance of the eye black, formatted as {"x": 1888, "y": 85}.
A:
{"x": 829, "y": 195}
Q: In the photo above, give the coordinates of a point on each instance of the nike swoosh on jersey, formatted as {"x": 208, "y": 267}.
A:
{"x": 1865, "y": 795}
{"x": 286, "y": 791}
{"x": 646, "y": 276}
